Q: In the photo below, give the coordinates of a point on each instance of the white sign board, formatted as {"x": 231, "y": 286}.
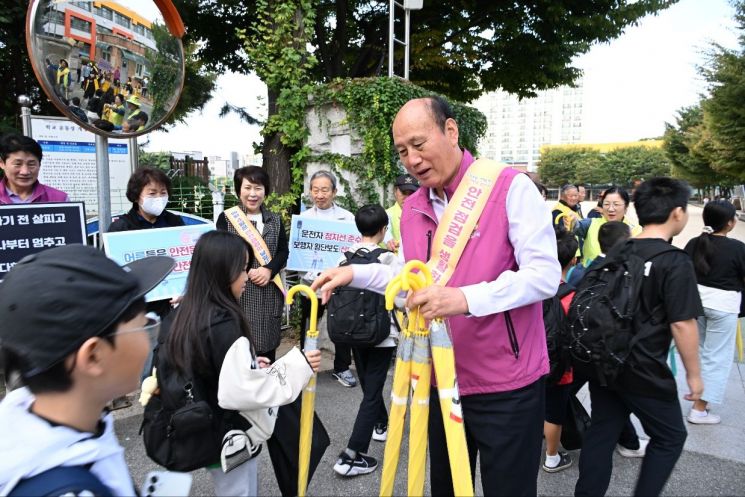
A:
{"x": 69, "y": 162}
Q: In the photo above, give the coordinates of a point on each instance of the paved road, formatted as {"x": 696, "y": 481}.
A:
{"x": 696, "y": 473}
{"x": 713, "y": 462}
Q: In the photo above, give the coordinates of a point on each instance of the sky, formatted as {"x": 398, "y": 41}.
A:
{"x": 632, "y": 85}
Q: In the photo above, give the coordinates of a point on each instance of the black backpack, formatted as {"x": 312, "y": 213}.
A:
{"x": 180, "y": 429}
{"x": 62, "y": 480}
{"x": 607, "y": 317}
{"x": 557, "y": 334}
{"x": 358, "y": 317}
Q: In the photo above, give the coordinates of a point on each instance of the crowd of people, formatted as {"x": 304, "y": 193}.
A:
{"x": 102, "y": 99}
{"x": 84, "y": 342}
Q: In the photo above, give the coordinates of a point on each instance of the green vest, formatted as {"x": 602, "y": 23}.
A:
{"x": 591, "y": 248}
{"x": 394, "y": 215}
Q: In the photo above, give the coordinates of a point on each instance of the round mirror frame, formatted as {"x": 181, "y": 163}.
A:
{"x": 175, "y": 27}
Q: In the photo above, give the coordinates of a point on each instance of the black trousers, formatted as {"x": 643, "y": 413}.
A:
{"x": 343, "y": 354}
{"x": 628, "y": 437}
{"x": 662, "y": 419}
{"x": 505, "y": 429}
{"x": 372, "y": 369}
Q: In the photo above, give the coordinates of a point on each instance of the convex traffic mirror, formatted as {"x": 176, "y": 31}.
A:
{"x": 115, "y": 68}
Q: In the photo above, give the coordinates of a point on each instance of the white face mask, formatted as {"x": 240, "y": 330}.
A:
{"x": 154, "y": 205}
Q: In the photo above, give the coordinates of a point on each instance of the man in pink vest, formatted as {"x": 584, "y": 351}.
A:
{"x": 492, "y": 301}
{"x": 20, "y": 160}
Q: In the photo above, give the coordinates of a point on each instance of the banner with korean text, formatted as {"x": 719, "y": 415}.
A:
{"x": 30, "y": 228}
{"x": 178, "y": 242}
{"x": 317, "y": 244}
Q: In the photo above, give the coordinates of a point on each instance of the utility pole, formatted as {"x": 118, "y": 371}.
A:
{"x": 407, "y": 6}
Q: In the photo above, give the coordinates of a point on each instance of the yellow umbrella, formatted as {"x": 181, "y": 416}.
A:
{"x": 421, "y": 370}
{"x": 443, "y": 359}
{"x": 399, "y": 397}
{"x": 452, "y": 415}
{"x": 309, "y": 394}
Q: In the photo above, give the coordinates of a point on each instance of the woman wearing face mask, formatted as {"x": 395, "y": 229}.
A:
{"x": 148, "y": 190}
{"x": 263, "y": 299}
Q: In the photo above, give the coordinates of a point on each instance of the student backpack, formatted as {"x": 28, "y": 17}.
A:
{"x": 557, "y": 334}
{"x": 358, "y": 317}
{"x": 62, "y": 480}
{"x": 607, "y": 316}
{"x": 180, "y": 430}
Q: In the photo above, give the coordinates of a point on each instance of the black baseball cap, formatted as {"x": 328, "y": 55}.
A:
{"x": 53, "y": 301}
{"x": 407, "y": 183}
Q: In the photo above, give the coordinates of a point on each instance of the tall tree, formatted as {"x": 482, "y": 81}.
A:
{"x": 460, "y": 49}
{"x": 18, "y": 77}
{"x": 724, "y": 109}
{"x": 684, "y": 144}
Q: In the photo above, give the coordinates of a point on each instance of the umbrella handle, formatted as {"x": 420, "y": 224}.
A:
{"x": 408, "y": 273}
{"x": 306, "y": 290}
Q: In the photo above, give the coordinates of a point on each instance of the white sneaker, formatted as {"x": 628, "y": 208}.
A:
{"x": 703, "y": 419}
{"x": 640, "y": 452}
{"x": 380, "y": 433}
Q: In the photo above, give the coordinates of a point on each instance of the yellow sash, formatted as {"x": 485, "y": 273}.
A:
{"x": 461, "y": 216}
{"x": 248, "y": 231}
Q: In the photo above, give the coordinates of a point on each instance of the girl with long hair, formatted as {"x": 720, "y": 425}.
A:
{"x": 203, "y": 339}
{"x": 720, "y": 272}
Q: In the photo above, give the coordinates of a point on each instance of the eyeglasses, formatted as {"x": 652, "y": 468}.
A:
{"x": 152, "y": 327}
{"x": 617, "y": 205}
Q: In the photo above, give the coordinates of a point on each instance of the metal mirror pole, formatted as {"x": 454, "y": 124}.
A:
{"x": 104, "y": 188}
{"x": 134, "y": 152}
{"x": 25, "y": 103}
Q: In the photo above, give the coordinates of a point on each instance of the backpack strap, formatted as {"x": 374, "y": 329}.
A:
{"x": 564, "y": 290}
{"x": 62, "y": 480}
{"x": 369, "y": 255}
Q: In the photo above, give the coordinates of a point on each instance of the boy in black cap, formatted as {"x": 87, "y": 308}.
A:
{"x": 405, "y": 185}
{"x": 74, "y": 329}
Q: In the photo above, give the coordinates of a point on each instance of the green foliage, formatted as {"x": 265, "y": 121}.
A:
{"x": 190, "y": 194}
{"x": 558, "y": 166}
{"x": 462, "y": 49}
{"x": 17, "y": 75}
{"x": 621, "y": 166}
{"x": 371, "y": 105}
{"x": 160, "y": 160}
{"x": 705, "y": 145}
{"x": 458, "y": 49}
{"x": 683, "y": 144}
{"x": 165, "y": 68}
{"x": 724, "y": 110}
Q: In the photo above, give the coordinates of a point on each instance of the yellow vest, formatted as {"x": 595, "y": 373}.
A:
{"x": 394, "y": 215}
{"x": 567, "y": 215}
{"x": 591, "y": 247}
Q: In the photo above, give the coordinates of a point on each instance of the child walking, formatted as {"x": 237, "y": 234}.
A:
{"x": 720, "y": 272}
{"x": 372, "y": 362}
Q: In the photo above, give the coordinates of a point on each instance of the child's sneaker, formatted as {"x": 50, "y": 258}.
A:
{"x": 565, "y": 460}
{"x": 380, "y": 432}
{"x": 361, "y": 465}
{"x": 703, "y": 418}
{"x": 640, "y": 452}
{"x": 346, "y": 378}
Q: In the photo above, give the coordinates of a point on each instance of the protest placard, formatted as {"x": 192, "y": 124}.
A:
{"x": 177, "y": 242}
{"x": 30, "y": 228}
{"x": 317, "y": 244}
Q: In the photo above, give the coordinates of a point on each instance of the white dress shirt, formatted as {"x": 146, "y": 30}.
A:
{"x": 534, "y": 242}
